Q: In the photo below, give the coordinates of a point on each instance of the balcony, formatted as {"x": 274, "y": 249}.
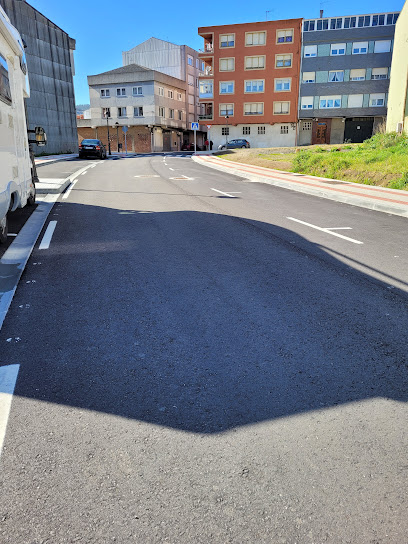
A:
{"x": 206, "y": 112}
{"x": 208, "y": 48}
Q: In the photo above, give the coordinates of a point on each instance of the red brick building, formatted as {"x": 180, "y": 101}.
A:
{"x": 250, "y": 85}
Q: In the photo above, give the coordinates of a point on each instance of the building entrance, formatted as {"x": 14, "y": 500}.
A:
{"x": 358, "y": 129}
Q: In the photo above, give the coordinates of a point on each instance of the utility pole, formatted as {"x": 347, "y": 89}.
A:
{"x": 107, "y": 124}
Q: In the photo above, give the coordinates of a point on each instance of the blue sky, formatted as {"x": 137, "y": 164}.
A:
{"x": 103, "y": 29}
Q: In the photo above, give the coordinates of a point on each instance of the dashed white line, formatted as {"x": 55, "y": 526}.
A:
{"x": 8, "y": 379}
{"x": 172, "y": 169}
{"x": 45, "y": 242}
{"x": 230, "y": 195}
{"x": 327, "y": 230}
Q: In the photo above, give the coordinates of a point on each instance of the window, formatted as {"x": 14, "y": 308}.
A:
{"x": 246, "y": 131}
{"x": 226, "y": 109}
{"x": 227, "y": 65}
{"x": 261, "y": 130}
{"x": 284, "y": 129}
{"x": 336, "y": 75}
{"x": 283, "y": 61}
{"x": 138, "y": 111}
{"x": 308, "y": 26}
{"x": 350, "y": 22}
{"x": 310, "y": 51}
{"x": 226, "y": 87}
{"x": 206, "y": 88}
{"x": 255, "y": 63}
{"x": 171, "y": 113}
{"x": 382, "y": 46}
{"x": 161, "y": 111}
{"x": 191, "y": 99}
{"x": 105, "y": 111}
{"x": 330, "y": 102}
{"x": 255, "y": 38}
{"x": 306, "y": 103}
{"x": 161, "y": 91}
{"x": 335, "y": 23}
{"x": 5, "y": 91}
{"x": 225, "y": 131}
{"x": 253, "y": 108}
{"x": 282, "y": 84}
{"x": 227, "y": 40}
{"x": 322, "y": 24}
{"x": 280, "y": 108}
{"x": 179, "y": 96}
{"x": 254, "y": 86}
{"x": 190, "y": 79}
{"x": 189, "y": 60}
{"x": 364, "y": 20}
{"x": 105, "y": 93}
{"x": 308, "y": 77}
{"x": 357, "y": 74}
{"x": 284, "y": 36}
{"x": 121, "y": 112}
{"x": 379, "y": 73}
{"x": 377, "y": 99}
{"x": 202, "y": 66}
{"x": 180, "y": 115}
{"x": 392, "y": 18}
{"x": 360, "y": 48}
{"x": 121, "y": 92}
{"x": 137, "y": 90}
{"x": 197, "y": 63}
{"x": 355, "y": 101}
{"x": 307, "y": 125}
{"x": 337, "y": 49}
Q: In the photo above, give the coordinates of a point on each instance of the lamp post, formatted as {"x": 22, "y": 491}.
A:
{"x": 117, "y": 133}
{"x": 107, "y": 124}
{"x": 226, "y": 132}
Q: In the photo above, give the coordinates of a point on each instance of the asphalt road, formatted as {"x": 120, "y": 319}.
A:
{"x": 200, "y": 364}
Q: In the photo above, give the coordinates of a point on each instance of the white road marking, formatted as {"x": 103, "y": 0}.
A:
{"x": 83, "y": 173}
{"x": 45, "y": 242}
{"x": 147, "y": 176}
{"x": 171, "y": 169}
{"x": 226, "y": 194}
{"x": 8, "y": 379}
{"x": 67, "y": 192}
{"x": 327, "y": 230}
{"x": 339, "y": 228}
{"x": 11, "y": 234}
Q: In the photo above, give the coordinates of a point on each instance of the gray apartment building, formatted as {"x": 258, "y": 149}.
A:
{"x": 344, "y": 80}
{"x": 50, "y": 67}
{"x": 151, "y": 104}
{"x": 179, "y": 61}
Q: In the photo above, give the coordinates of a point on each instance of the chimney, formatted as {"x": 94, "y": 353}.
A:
{"x": 321, "y": 13}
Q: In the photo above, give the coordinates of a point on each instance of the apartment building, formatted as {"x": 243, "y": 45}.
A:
{"x": 178, "y": 61}
{"x": 151, "y": 104}
{"x": 345, "y": 71}
{"x": 250, "y": 84}
{"x": 397, "y": 114}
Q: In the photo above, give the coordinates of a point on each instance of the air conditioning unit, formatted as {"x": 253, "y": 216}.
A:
{"x": 399, "y": 128}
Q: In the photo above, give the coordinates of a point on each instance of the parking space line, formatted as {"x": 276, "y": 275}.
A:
{"x": 230, "y": 195}
{"x": 327, "y": 230}
{"x": 45, "y": 242}
{"x": 8, "y": 379}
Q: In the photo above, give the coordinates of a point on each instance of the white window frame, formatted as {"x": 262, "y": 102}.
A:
{"x": 138, "y": 114}
{"x": 310, "y": 51}
{"x": 104, "y": 112}
{"x": 285, "y": 83}
{"x": 253, "y": 108}
{"x": 137, "y": 93}
{"x": 122, "y": 112}
{"x": 170, "y": 94}
{"x": 280, "y": 106}
{"x": 382, "y": 73}
{"x": 228, "y": 42}
{"x": 284, "y": 129}
{"x": 161, "y": 91}
{"x": 306, "y": 102}
{"x": 171, "y": 113}
{"x": 284, "y": 58}
{"x": 190, "y": 60}
{"x": 162, "y": 111}
{"x": 359, "y": 48}
{"x": 206, "y": 83}
{"x": 226, "y": 109}
{"x": 120, "y": 91}
{"x": 255, "y": 62}
{"x": 251, "y": 37}
{"x": 337, "y": 49}
{"x": 375, "y": 98}
{"x": 225, "y": 131}
{"x": 179, "y": 96}
{"x": 361, "y": 77}
{"x": 227, "y": 84}
{"x": 246, "y": 131}
{"x": 338, "y": 76}
{"x": 307, "y": 78}
{"x": 105, "y": 93}
{"x": 261, "y": 130}
{"x": 230, "y": 64}
{"x": 382, "y": 46}
{"x": 329, "y": 102}
{"x": 284, "y": 33}
{"x": 251, "y": 84}
{"x": 307, "y": 125}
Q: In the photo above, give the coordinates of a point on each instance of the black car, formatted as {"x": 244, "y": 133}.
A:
{"x": 233, "y": 144}
{"x": 92, "y": 148}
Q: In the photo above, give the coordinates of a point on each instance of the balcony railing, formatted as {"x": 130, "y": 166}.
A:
{"x": 206, "y": 116}
{"x": 208, "y": 48}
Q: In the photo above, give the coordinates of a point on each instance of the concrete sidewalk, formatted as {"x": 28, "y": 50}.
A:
{"x": 393, "y": 201}
{"x": 49, "y": 159}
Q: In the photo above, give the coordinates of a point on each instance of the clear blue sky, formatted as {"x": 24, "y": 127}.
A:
{"x": 103, "y": 29}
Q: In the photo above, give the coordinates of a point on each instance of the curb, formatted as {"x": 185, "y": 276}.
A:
{"x": 319, "y": 191}
{"x": 64, "y": 184}
{"x": 55, "y": 160}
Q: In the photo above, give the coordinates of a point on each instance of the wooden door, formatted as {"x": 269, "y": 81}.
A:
{"x": 321, "y": 132}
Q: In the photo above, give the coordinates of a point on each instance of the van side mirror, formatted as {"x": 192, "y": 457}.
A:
{"x": 40, "y": 136}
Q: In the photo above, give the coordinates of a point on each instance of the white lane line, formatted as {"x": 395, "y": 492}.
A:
{"x": 227, "y": 194}
{"x": 172, "y": 169}
{"x": 11, "y": 234}
{"x": 327, "y": 230}
{"x": 8, "y": 379}
{"x": 83, "y": 173}
{"x": 45, "y": 242}
{"x": 67, "y": 192}
{"x": 339, "y": 228}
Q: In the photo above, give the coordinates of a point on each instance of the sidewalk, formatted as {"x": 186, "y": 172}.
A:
{"x": 392, "y": 201}
{"x": 49, "y": 159}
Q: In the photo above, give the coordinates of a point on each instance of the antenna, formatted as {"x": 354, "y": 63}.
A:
{"x": 269, "y": 11}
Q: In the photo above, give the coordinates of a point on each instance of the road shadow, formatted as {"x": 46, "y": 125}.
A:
{"x": 200, "y": 322}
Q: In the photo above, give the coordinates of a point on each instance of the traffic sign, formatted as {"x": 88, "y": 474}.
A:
{"x": 125, "y": 129}
{"x": 208, "y": 126}
{"x": 194, "y": 126}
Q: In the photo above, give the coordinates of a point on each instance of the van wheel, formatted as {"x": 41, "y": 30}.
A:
{"x": 3, "y": 230}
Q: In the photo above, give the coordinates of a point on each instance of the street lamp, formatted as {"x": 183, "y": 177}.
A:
{"x": 107, "y": 124}
{"x": 117, "y": 133}
{"x": 226, "y": 132}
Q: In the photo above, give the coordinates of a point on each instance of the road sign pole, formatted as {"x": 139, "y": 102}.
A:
{"x": 195, "y": 141}
{"x": 125, "y": 129}
{"x": 125, "y": 143}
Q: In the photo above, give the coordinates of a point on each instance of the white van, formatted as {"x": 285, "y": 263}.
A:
{"x": 17, "y": 169}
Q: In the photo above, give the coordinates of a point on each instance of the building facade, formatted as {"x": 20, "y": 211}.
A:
{"x": 151, "y": 104}
{"x": 50, "y": 65}
{"x": 250, "y": 84}
{"x": 345, "y": 71}
{"x": 397, "y": 114}
{"x": 178, "y": 61}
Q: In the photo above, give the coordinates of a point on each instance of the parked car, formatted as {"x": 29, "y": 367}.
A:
{"x": 233, "y": 144}
{"x": 92, "y": 148}
{"x": 189, "y": 147}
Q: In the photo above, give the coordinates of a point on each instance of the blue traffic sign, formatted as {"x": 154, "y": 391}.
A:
{"x": 125, "y": 129}
{"x": 194, "y": 126}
